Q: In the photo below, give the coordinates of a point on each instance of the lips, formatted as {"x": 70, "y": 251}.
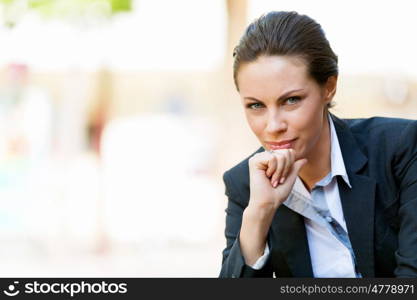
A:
{"x": 286, "y": 144}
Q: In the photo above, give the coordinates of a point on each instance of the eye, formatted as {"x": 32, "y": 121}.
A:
{"x": 292, "y": 100}
{"x": 254, "y": 106}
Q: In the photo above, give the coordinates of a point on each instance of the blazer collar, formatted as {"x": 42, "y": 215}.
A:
{"x": 357, "y": 202}
{"x": 352, "y": 155}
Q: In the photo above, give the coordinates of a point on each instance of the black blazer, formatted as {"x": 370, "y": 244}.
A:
{"x": 380, "y": 156}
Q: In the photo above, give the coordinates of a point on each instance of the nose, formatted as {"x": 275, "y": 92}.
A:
{"x": 275, "y": 124}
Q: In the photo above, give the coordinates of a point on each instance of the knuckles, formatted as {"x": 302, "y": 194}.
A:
{"x": 280, "y": 155}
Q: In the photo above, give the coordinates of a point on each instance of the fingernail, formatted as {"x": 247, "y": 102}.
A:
{"x": 282, "y": 180}
{"x": 275, "y": 183}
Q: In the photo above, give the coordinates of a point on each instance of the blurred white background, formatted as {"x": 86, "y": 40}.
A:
{"x": 117, "y": 122}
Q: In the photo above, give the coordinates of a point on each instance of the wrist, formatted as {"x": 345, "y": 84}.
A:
{"x": 257, "y": 221}
{"x": 253, "y": 234}
{"x": 260, "y": 212}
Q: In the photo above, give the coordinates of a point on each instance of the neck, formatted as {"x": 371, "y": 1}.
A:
{"x": 318, "y": 165}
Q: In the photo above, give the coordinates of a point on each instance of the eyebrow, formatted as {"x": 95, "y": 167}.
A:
{"x": 282, "y": 97}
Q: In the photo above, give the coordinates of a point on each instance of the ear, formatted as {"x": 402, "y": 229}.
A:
{"x": 330, "y": 88}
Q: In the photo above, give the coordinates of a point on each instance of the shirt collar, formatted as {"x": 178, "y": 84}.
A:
{"x": 298, "y": 199}
{"x": 336, "y": 162}
{"x": 336, "y": 158}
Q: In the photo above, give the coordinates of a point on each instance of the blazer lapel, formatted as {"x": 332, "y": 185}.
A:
{"x": 289, "y": 237}
{"x": 357, "y": 202}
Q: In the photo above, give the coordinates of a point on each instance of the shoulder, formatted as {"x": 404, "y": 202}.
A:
{"x": 378, "y": 125}
{"x": 381, "y": 131}
{"x": 388, "y": 143}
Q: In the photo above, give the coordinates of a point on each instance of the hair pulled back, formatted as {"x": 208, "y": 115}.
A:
{"x": 284, "y": 33}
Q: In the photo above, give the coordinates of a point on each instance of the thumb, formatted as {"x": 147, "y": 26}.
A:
{"x": 289, "y": 182}
{"x": 299, "y": 164}
{"x": 296, "y": 167}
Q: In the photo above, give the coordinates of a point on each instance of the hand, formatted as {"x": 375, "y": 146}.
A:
{"x": 272, "y": 175}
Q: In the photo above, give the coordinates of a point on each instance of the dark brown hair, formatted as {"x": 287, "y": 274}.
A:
{"x": 287, "y": 33}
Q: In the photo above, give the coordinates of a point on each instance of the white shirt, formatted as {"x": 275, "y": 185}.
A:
{"x": 329, "y": 257}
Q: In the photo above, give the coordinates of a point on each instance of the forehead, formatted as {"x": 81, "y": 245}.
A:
{"x": 273, "y": 75}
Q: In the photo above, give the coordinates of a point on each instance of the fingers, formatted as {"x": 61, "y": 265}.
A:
{"x": 272, "y": 165}
{"x": 277, "y": 165}
{"x": 281, "y": 162}
{"x": 285, "y": 159}
{"x": 290, "y": 156}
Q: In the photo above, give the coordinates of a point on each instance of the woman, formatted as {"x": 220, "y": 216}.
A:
{"x": 322, "y": 197}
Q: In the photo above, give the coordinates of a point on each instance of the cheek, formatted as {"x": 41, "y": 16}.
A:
{"x": 311, "y": 122}
{"x": 256, "y": 124}
{"x": 309, "y": 126}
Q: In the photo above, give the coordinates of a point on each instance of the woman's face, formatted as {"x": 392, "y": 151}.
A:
{"x": 284, "y": 106}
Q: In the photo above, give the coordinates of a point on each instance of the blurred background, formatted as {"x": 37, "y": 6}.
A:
{"x": 118, "y": 118}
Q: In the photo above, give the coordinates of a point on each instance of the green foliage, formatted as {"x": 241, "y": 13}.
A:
{"x": 52, "y": 6}
{"x": 6, "y": 1}
{"x": 63, "y": 9}
{"x": 121, "y": 5}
